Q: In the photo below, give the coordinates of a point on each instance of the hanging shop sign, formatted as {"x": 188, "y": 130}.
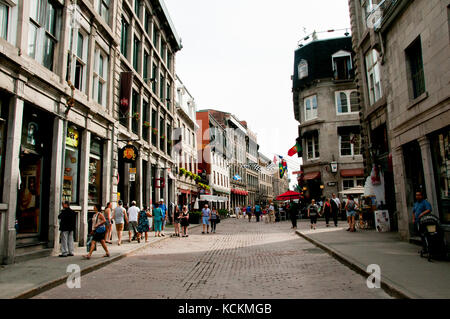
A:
{"x": 132, "y": 177}
{"x": 160, "y": 182}
{"x": 129, "y": 154}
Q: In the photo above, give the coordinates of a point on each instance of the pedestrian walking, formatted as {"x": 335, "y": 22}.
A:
{"x": 335, "y": 208}
{"x": 158, "y": 219}
{"x": 108, "y": 224}
{"x": 350, "y": 208}
{"x": 184, "y": 221}
{"x": 119, "y": 217}
{"x": 257, "y": 212}
{"x": 143, "y": 226}
{"x": 249, "y": 213}
{"x": 271, "y": 214}
{"x": 206, "y": 214}
{"x": 98, "y": 232}
{"x": 133, "y": 213}
{"x": 327, "y": 211}
{"x": 176, "y": 222}
{"x": 213, "y": 220}
{"x": 293, "y": 211}
{"x": 68, "y": 219}
{"x": 313, "y": 212}
{"x": 163, "y": 208}
{"x": 237, "y": 212}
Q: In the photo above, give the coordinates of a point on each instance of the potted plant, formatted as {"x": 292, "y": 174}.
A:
{"x": 188, "y": 173}
{"x": 182, "y": 171}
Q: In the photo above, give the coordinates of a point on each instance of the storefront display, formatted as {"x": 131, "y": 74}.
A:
{"x": 71, "y": 164}
{"x": 95, "y": 172}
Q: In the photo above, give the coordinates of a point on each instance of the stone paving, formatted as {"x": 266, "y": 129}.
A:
{"x": 242, "y": 260}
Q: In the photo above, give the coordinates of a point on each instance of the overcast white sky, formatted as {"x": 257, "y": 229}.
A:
{"x": 238, "y": 57}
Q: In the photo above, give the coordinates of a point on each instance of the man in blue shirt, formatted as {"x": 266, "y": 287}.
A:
{"x": 249, "y": 213}
{"x": 257, "y": 212}
{"x": 163, "y": 210}
{"x": 421, "y": 207}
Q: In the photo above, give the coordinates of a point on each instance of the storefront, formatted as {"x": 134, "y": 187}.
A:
{"x": 440, "y": 152}
{"x": 32, "y": 214}
{"x": 72, "y": 166}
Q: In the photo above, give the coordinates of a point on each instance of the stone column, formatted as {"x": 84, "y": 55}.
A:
{"x": 428, "y": 172}
{"x": 84, "y": 186}
{"x": 90, "y": 66}
{"x": 55, "y": 183}
{"x": 140, "y": 188}
{"x": 11, "y": 180}
{"x": 107, "y": 170}
{"x": 404, "y": 215}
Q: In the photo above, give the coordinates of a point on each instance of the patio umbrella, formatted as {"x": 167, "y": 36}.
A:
{"x": 289, "y": 195}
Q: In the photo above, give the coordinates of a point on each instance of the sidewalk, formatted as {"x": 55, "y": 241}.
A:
{"x": 29, "y": 278}
{"x": 403, "y": 272}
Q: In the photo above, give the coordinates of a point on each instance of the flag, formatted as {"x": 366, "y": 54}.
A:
{"x": 283, "y": 168}
{"x": 237, "y": 177}
{"x": 274, "y": 159}
{"x": 294, "y": 150}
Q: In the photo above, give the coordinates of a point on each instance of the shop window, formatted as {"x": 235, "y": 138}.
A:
{"x": 71, "y": 165}
{"x": 440, "y": 150}
{"x": 310, "y": 108}
{"x": 3, "y": 116}
{"x": 415, "y": 67}
{"x": 95, "y": 172}
{"x": 42, "y": 37}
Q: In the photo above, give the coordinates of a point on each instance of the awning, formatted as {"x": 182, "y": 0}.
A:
{"x": 185, "y": 191}
{"x": 239, "y": 192}
{"x": 213, "y": 198}
{"x": 359, "y": 190}
{"x": 312, "y": 175}
{"x": 352, "y": 172}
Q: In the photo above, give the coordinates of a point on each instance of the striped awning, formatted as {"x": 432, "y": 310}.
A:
{"x": 352, "y": 172}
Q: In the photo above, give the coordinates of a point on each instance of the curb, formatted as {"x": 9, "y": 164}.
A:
{"x": 386, "y": 284}
{"x": 56, "y": 282}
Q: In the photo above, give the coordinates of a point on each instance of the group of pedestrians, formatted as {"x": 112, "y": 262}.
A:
{"x": 209, "y": 216}
{"x": 266, "y": 213}
{"x": 138, "y": 222}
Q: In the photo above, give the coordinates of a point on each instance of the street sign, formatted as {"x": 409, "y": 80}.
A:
{"x": 132, "y": 170}
{"x": 132, "y": 177}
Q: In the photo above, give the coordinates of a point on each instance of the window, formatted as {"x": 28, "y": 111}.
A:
{"x": 302, "y": 69}
{"x": 137, "y": 7}
{"x": 154, "y": 127}
{"x": 168, "y": 95}
{"x": 155, "y": 36}
{"x": 346, "y": 102}
{"x": 169, "y": 61}
{"x": 154, "y": 77}
{"x": 124, "y": 38}
{"x": 146, "y": 121}
{"x": 350, "y": 144}
{"x": 136, "y": 48}
{"x": 135, "y": 119}
{"x": 367, "y": 7}
{"x": 145, "y": 66}
{"x": 373, "y": 76}
{"x": 79, "y": 62}
{"x": 415, "y": 63}
{"x": 352, "y": 182}
{"x": 42, "y": 38}
{"x": 148, "y": 21}
{"x": 311, "y": 108}
{"x": 103, "y": 9}
{"x": 342, "y": 65}
{"x": 4, "y": 20}
{"x": 100, "y": 75}
{"x": 161, "y": 86}
{"x": 71, "y": 165}
{"x": 169, "y": 139}
{"x": 161, "y": 134}
{"x": 312, "y": 144}
{"x": 95, "y": 172}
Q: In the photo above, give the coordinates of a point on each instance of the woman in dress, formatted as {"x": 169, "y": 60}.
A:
{"x": 108, "y": 224}
{"x": 213, "y": 220}
{"x": 157, "y": 220}
{"x": 143, "y": 225}
{"x": 98, "y": 232}
{"x": 176, "y": 221}
{"x": 185, "y": 221}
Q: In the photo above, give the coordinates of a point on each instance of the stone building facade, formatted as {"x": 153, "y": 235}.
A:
{"x": 266, "y": 194}
{"x": 185, "y": 147}
{"x": 252, "y": 174}
{"x": 60, "y": 141}
{"x": 406, "y": 100}
{"x": 326, "y": 106}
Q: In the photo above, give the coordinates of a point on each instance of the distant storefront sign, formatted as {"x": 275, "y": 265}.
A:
{"x": 129, "y": 154}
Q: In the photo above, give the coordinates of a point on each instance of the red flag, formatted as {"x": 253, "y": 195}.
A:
{"x": 293, "y": 150}
{"x": 275, "y": 159}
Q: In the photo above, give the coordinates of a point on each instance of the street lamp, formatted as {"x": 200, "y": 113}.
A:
{"x": 334, "y": 167}
{"x": 322, "y": 187}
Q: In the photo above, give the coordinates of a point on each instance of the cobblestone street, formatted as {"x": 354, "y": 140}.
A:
{"x": 242, "y": 260}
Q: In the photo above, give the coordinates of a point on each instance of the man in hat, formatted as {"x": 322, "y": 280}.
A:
{"x": 163, "y": 210}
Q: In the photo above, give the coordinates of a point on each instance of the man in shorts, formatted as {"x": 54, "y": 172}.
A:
{"x": 206, "y": 215}
{"x": 313, "y": 211}
{"x": 133, "y": 213}
{"x": 164, "y": 211}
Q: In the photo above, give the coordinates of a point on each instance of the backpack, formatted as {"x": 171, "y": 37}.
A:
{"x": 351, "y": 205}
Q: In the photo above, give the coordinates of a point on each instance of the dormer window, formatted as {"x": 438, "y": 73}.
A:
{"x": 342, "y": 65}
{"x": 302, "y": 69}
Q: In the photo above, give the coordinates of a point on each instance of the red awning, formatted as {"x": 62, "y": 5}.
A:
{"x": 185, "y": 191}
{"x": 352, "y": 172}
{"x": 289, "y": 195}
{"x": 312, "y": 175}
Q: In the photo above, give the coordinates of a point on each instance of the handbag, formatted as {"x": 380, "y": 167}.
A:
{"x": 100, "y": 229}
{"x": 217, "y": 219}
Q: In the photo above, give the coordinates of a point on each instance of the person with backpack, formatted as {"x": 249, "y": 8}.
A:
{"x": 350, "y": 208}
{"x": 313, "y": 212}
